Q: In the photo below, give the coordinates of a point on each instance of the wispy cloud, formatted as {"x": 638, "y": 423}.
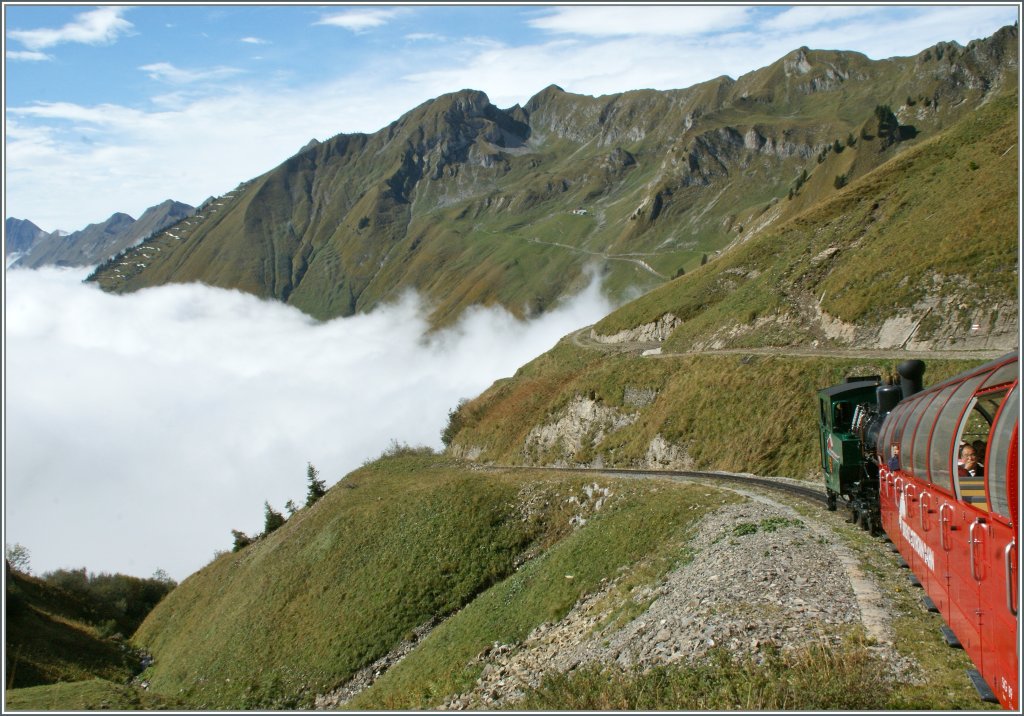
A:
{"x": 801, "y": 18}
{"x": 607, "y": 21}
{"x": 27, "y": 56}
{"x": 422, "y": 36}
{"x": 359, "y": 20}
{"x": 96, "y": 27}
{"x": 166, "y": 72}
{"x": 148, "y": 154}
{"x": 255, "y": 41}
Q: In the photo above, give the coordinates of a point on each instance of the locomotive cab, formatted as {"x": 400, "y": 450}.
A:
{"x": 846, "y": 471}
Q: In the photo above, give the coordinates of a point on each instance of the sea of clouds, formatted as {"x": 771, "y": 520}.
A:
{"x": 141, "y": 429}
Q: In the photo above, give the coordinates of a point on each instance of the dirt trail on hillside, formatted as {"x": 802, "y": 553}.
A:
{"x": 583, "y": 339}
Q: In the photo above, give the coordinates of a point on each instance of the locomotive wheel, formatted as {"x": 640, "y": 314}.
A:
{"x": 864, "y": 520}
{"x": 874, "y": 524}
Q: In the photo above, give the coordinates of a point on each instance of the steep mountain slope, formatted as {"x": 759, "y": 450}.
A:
{"x": 98, "y": 242}
{"x": 715, "y": 370}
{"x": 20, "y": 235}
{"x": 468, "y": 203}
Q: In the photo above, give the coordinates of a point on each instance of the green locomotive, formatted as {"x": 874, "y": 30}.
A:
{"x": 851, "y": 416}
{"x": 848, "y": 471}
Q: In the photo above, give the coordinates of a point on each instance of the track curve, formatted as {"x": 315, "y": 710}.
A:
{"x": 777, "y": 484}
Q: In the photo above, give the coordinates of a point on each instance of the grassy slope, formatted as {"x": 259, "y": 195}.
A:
{"x": 943, "y": 212}
{"x": 642, "y": 531}
{"x": 91, "y": 695}
{"x": 50, "y": 637}
{"x": 395, "y": 544}
{"x": 730, "y": 412}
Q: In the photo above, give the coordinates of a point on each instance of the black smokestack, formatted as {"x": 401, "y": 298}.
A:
{"x": 911, "y": 372}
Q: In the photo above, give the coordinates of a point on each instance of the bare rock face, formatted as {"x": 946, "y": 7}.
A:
{"x": 581, "y": 425}
{"x": 654, "y": 332}
{"x": 663, "y": 455}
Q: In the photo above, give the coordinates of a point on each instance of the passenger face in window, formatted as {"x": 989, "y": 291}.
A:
{"x": 969, "y": 458}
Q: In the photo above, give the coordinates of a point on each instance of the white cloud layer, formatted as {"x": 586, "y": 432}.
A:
{"x": 95, "y": 27}
{"x": 142, "y": 429}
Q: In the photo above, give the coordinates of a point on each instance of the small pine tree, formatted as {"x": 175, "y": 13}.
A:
{"x": 888, "y": 125}
{"x": 290, "y": 507}
{"x": 241, "y": 540}
{"x": 272, "y": 519}
{"x": 850, "y": 140}
{"x": 317, "y": 488}
{"x": 703, "y": 259}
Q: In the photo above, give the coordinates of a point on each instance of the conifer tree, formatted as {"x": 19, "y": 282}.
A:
{"x": 272, "y": 519}
{"x": 241, "y": 540}
{"x": 317, "y": 487}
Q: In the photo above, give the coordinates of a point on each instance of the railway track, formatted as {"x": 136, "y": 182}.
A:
{"x": 784, "y": 485}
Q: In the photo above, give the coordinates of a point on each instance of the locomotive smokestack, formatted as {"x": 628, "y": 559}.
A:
{"x": 887, "y": 397}
{"x": 911, "y": 372}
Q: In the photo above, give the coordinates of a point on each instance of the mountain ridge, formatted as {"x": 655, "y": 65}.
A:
{"x": 97, "y": 242}
{"x": 468, "y": 203}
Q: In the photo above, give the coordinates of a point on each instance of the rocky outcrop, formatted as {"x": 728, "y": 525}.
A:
{"x": 580, "y": 426}
{"x": 663, "y": 455}
{"x": 653, "y": 332}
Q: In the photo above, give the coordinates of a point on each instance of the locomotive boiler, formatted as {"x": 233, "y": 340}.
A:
{"x": 937, "y": 471}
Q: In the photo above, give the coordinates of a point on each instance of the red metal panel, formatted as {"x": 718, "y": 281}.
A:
{"x": 964, "y": 589}
{"x": 997, "y": 568}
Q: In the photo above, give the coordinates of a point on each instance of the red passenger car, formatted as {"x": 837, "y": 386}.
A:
{"x": 959, "y": 531}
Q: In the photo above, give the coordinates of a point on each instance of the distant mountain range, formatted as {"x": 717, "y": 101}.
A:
{"x": 471, "y": 204}
{"x": 93, "y": 244}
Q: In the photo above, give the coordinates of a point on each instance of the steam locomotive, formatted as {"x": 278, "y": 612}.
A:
{"x": 893, "y": 452}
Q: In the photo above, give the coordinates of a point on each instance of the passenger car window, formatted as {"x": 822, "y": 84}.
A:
{"x": 974, "y": 431}
{"x": 999, "y": 448}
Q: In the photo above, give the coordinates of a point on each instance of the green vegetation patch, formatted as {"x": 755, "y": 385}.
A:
{"x": 92, "y": 695}
{"x": 57, "y": 635}
{"x": 393, "y": 545}
{"x": 638, "y": 524}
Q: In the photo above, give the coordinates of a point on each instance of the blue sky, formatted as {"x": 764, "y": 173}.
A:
{"x": 116, "y": 108}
